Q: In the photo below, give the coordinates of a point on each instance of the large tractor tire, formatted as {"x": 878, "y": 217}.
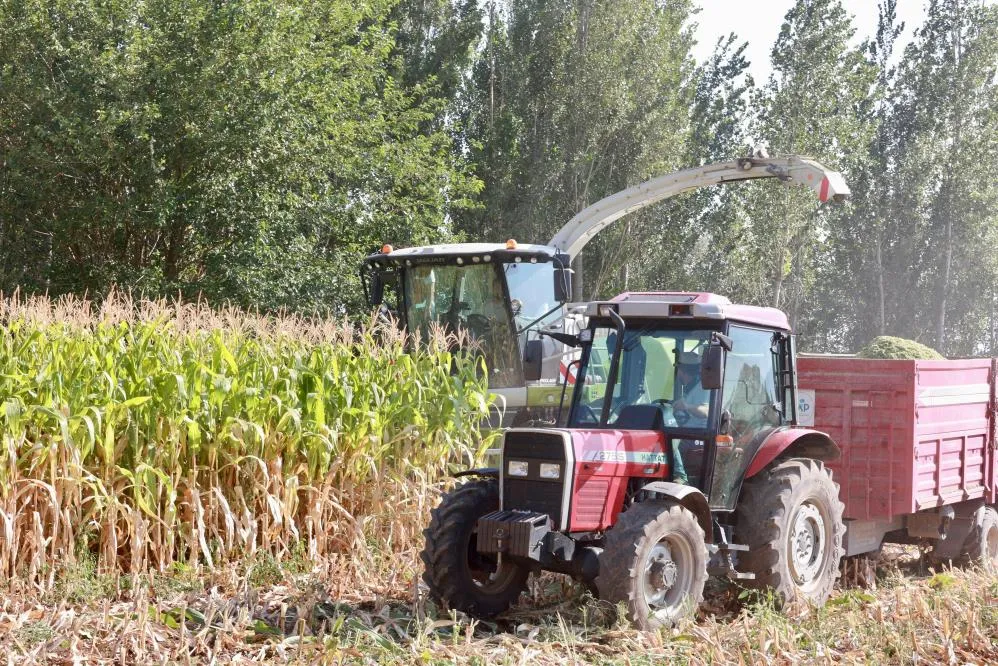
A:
{"x": 790, "y": 517}
{"x": 456, "y": 573}
{"x": 654, "y": 561}
{"x": 980, "y": 546}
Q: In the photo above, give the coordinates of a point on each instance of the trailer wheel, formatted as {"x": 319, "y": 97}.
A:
{"x": 654, "y": 561}
{"x": 457, "y": 575}
{"x": 790, "y": 517}
{"x": 981, "y": 546}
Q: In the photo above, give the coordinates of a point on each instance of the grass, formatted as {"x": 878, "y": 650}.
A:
{"x": 914, "y": 615}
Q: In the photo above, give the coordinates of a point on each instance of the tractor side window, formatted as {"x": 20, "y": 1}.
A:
{"x": 531, "y": 293}
{"x": 751, "y": 401}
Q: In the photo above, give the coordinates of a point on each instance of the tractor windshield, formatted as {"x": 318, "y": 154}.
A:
{"x": 472, "y": 298}
{"x": 658, "y": 366}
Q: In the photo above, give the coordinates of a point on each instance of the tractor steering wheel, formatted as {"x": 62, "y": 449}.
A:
{"x": 478, "y": 324}
{"x": 591, "y": 415}
{"x": 681, "y": 416}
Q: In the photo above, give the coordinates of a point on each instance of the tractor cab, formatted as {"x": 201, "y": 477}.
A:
{"x": 681, "y": 456}
{"x": 713, "y": 379}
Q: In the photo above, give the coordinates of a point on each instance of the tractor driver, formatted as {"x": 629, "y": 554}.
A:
{"x": 690, "y": 395}
{"x": 692, "y": 399}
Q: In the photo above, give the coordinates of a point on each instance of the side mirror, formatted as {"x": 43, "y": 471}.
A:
{"x": 533, "y": 358}
{"x": 712, "y": 368}
{"x": 562, "y": 283}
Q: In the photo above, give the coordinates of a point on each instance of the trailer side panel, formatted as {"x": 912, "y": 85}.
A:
{"x": 952, "y": 432}
{"x": 914, "y": 434}
{"x": 867, "y": 407}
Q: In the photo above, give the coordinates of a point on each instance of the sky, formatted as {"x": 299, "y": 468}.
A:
{"x": 759, "y": 21}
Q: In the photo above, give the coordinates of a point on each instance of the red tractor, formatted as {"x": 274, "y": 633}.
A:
{"x": 675, "y": 396}
{"x": 683, "y": 454}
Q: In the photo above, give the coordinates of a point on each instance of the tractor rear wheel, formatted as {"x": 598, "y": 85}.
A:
{"x": 654, "y": 561}
{"x": 790, "y": 517}
{"x": 457, "y": 575}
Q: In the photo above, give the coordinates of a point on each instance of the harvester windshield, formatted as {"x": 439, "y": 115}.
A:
{"x": 472, "y": 298}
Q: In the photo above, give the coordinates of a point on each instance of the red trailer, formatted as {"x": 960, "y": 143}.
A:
{"x": 918, "y": 445}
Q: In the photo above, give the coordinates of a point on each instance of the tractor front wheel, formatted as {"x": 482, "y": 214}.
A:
{"x": 790, "y": 517}
{"x": 481, "y": 585}
{"x": 654, "y": 561}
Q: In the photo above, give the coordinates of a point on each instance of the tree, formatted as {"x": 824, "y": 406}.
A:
{"x": 692, "y": 241}
{"x": 816, "y": 103}
{"x": 247, "y": 150}
{"x": 947, "y": 97}
{"x": 573, "y": 100}
{"x": 914, "y": 255}
{"x": 853, "y": 265}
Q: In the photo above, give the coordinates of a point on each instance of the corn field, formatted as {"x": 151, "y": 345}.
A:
{"x": 147, "y": 433}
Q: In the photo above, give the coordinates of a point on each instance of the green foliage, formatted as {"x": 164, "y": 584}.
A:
{"x": 889, "y": 347}
{"x": 248, "y": 150}
{"x": 194, "y": 420}
{"x": 571, "y": 102}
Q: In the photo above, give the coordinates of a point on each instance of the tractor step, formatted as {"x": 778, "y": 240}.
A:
{"x": 740, "y": 575}
{"x": 726, "y": 566}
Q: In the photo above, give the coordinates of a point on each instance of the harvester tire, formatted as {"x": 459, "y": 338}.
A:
{"x": 654, "y": 562}
{"x": 790, "y": 517}
{"x": 457, "y": 575}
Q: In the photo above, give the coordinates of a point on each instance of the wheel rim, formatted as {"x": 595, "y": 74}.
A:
{"x": 490, "y": 574}
{"x": 991, "y": 546}
{"x": 667, "y": 577}
{"x": 807, "y": 544}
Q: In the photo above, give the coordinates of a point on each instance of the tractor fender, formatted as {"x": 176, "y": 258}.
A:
{"x": 797, "y": 442}
{"x": 688, "y": 497}
{"x": 487, "y": 472}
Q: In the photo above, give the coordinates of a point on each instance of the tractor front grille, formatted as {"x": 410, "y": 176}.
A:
{"x": 531, "y": 492}
{"x": 537, "y": 496}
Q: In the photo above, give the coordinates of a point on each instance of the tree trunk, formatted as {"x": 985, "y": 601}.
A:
{"x": 778, "y": 287}
{"x": 171, "y": 267}
{"x": 950, "y": 187}
{"x": 882, "y": 304}
{"x": 944, "y": 285}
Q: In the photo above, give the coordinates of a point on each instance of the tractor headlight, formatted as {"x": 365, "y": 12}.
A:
{"x": 516, "y": 468}
{"x": 550, "y": 471}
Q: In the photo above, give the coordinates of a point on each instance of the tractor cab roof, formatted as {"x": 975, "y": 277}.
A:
{"x": 692, "y": 305}
{"x": 460, "y": 253}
